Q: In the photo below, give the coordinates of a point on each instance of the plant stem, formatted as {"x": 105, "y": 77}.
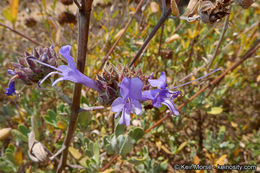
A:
{"x": 83, "y": 30}
{"x": 151, "y": 35}
{"x": 220, "y": 41}
{"x": 116, "y": 42}
{"x": 22, "y": 35}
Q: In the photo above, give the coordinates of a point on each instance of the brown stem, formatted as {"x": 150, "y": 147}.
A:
{"x": 220, "y": 41}
{"x": 116, "y": 42}
{"x": 109, "y": 163}
{"x": 83, "y": 28}
{"x": 22, "y": 35}
{"x": 151, "y": 35}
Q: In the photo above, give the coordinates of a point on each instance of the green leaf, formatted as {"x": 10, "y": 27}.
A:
{"x": 20, "y": 135}
{"x": 127, "y": 146}
{"x": 136, "y": 133}
{"x": 96, "y": 152}
{"x": 51, "y": 118}
{"x": 215, "y": 110}
{"x": 120, "y": 129}
{"x": 7, "y": 14}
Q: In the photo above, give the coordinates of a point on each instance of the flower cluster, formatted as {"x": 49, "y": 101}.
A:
{"x": 28, "y": 71}
{"x": 122, "y": 88}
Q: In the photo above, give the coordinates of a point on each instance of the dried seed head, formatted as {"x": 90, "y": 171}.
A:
{"x": 109, "y": 79}
{"x": 30, "y": 22}
{"x": 67, "y": 17}
{"x": 211, "y": 11}
{"x": 66, "y": 2}
{"x": 30, "y": 72}
{"x": 245, "y": 3}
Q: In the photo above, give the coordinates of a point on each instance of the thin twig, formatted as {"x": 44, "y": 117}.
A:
{"x": 77, "y": 4}
{"x": 151, "y": 35}
{"x": 225, "y": 27}
{"x": 109, "y": 163}
{"x": 22, "y": 35}
{"x": 84, "y": 20}
{"x": 116, "y": 42}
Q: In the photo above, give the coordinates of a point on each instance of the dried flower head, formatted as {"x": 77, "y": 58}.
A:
{"x": 211, "y": 11}
{"x": 67, "y": 17}
{"x": 30, "y": 72}
{"x": 110, "y": 78}
{"x": 66, "y": 2}
{"x": 245, "y": 3}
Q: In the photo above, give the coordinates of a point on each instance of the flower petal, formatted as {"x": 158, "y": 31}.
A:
{"x": 159, "y": 83}
{"x": 11, "y": 88}
{"x": 125, "y": 118}
{"x": 117, "y": 105}
{"x": 65, "y": 51}
{"x": 137, "y": 107}
{"x": 149, "y": 94}
{"x": 173, "y": 109}
{"x": 124, "y": 87}
{"x": 136, "y": 86}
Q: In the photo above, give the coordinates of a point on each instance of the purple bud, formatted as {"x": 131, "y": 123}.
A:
{"x": 48, "y": 52}
{"x": 31, "y": 64}
{"x": 11, "y": 72}
{"x": 110, "y": 92}
{"x": 44, "y": 58}
{"x": 36, "y": 54}
{"x": 27, "y": 54}
{"x": 52, "y": 61}
{"x": 16, "y": 65}
{"x": 22, "y": 61}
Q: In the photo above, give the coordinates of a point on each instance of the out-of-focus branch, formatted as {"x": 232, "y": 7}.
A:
{"x": 151, "y": 35}
{"x": 22, "y": 35}
{"x": 116, "y": 42}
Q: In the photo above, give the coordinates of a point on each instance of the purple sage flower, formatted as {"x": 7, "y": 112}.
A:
{"x": 11, "y": 85}
{"x": 69, "y": 72}
{"x": 131, "y": 93}
{"x": 11, "y": 88}
{"x": 162, "y": 95}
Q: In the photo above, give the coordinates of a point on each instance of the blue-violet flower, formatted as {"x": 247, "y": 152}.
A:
{"x": 162, "y": 95}
{"x": 131, "y": 93}
{"x": 69, "y": 72}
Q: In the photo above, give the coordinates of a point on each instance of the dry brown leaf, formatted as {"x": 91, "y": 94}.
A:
{"x": 119, "y": 34}
{"x": 18, "y": 156}
{"x": 75, "y": 153}
{"x": 154, "y": 7}
{"x": 172, "y": 38}
{"x": 221, "y": 160}
{"x": 191, "y": 9}
{"x": 175, "y": 9}
{"x": 196, "y": 160}
{"x": 4, "y": 133}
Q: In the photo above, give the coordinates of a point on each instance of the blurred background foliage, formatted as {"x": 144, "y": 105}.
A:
{"x": 219, "y": 127}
